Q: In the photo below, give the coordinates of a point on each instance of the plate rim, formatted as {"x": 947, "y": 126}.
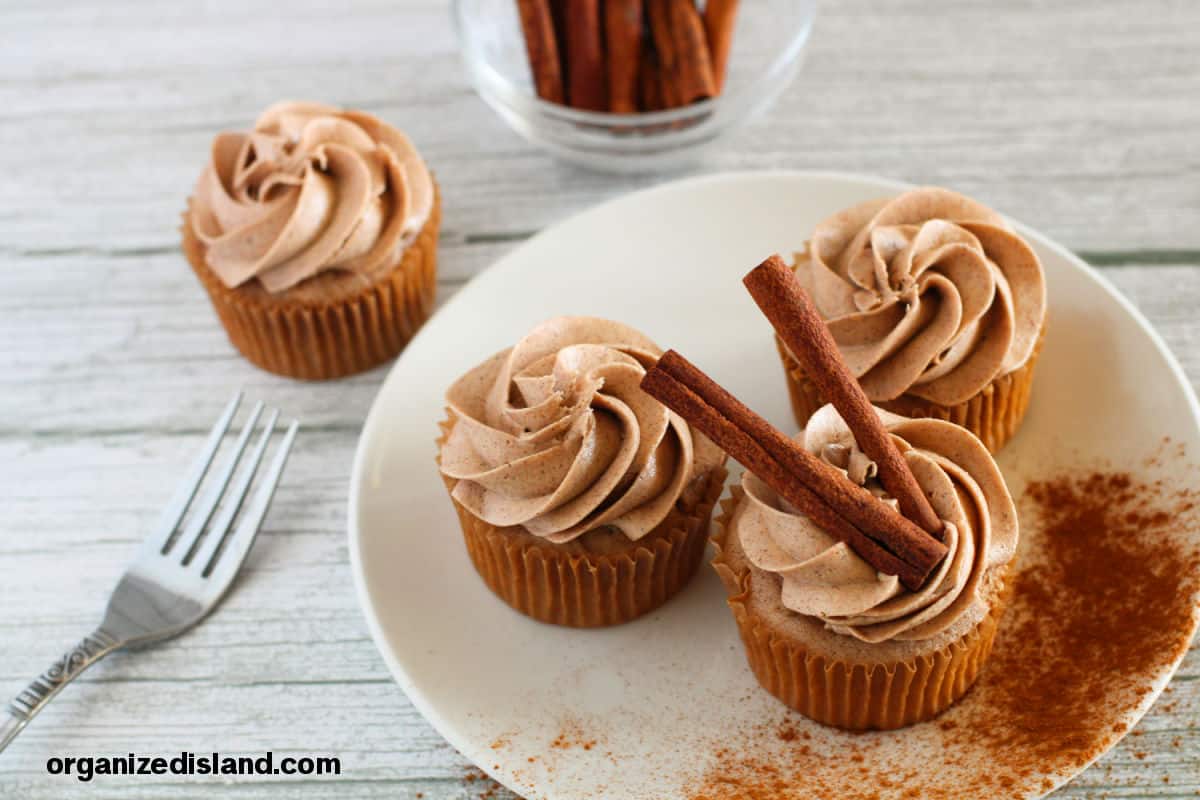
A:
{"x": 371, "y": 424}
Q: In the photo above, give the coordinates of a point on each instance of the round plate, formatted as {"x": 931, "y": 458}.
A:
{"x": 645, "y": 709}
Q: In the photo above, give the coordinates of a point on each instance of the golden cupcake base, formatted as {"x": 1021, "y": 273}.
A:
{"x": 839, "y": 692}
{"x": 576, "y": 587}
{"x": 319, "y": 335}
{"x": 994, "y": 414}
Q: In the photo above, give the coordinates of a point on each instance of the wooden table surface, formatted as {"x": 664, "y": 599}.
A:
{"x": 1077, "y": 116}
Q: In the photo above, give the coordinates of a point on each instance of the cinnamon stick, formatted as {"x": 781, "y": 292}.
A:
{"x": 623, "y": 34}
{"x": 744, "y": 449}
{"x": 658, "y": 15}
{"x": 585, "y": 56}
{"x": 854, "y": 503}
{"x": 785, "y": 303}
{"x": 719, "y": 19}
{"x": 541, "y": 45}
{"x": 558, "y": 12}
{"x": 695, "y": 67}
{"x": 650, "y": 83}
{"x": 679, "y": 39}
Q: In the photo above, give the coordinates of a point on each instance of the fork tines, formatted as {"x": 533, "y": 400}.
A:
{"x": 195, "y": 531}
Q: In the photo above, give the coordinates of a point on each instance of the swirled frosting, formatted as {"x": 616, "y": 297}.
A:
{"x": 556, "y": 435}
{"x": 824, "y": 578}
{"x": 929, "y": 293}
{"x": 310, "y": 188}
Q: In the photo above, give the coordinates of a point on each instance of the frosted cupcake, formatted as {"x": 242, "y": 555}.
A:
{"x": 937, "y": 306}
{"x": 583, "y": 500}
{"x": 315, "y": 235}
{"x": 848, "y": 645}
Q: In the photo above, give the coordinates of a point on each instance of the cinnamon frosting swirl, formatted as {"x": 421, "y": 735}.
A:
{"x": 825, "y": 579}
{"x": 556, "y": 435}
{"x": 929, "y": 293}
{"x": 311, "y": 188}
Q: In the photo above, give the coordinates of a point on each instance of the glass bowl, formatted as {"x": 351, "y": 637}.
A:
{"x": 768, "y": 45}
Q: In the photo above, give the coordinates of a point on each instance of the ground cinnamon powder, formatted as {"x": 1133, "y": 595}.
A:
{"x": 1109, "y": 600}
{"x": 1103, "y": 598}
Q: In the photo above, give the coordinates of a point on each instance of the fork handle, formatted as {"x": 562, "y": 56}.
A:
{"x": 37, "y": 694}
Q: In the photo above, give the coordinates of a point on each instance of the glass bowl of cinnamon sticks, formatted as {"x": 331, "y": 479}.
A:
{"x": 631, "y": 85}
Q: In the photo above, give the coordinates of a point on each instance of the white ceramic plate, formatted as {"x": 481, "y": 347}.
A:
{"x": 632, "y": 711}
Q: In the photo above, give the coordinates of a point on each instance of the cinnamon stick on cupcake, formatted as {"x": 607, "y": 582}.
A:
{"x": 626, "y": 56}
{"x": 866, "y": 561}
{"x": 875, "y": 531}
{"x": 787, "y": 306}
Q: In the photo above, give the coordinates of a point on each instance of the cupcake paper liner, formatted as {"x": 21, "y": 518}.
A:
{"x": 588, "y": 590}
{"x": 323, "y": 340}
{"x": 846, "y": 695}
{"x": 994, "y": 414}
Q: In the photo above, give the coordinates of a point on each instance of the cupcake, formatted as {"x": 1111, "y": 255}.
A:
{"x": 937, "y": 305}
{"x": 840, "y": 641}
{"x": 315, "y": 235}
{"x": 583, "y": 501}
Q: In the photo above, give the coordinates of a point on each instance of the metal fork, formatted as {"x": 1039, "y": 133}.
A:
{"x": 178, "y": 576}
